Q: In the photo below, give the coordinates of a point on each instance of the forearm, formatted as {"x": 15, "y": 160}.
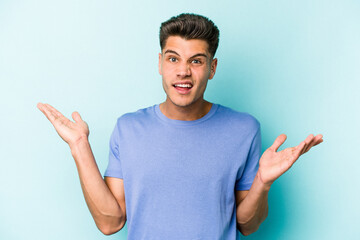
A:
{"x": 253, "y": 210}
{"x": 107, "y": 213}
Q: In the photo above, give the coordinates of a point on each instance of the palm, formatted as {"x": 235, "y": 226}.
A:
{"x": 273, "y": 164}
{"x": 69, "y": 131}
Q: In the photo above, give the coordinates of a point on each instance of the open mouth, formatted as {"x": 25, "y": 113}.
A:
{"x": 185, "y": 85}
{"x": 183, "y": 88}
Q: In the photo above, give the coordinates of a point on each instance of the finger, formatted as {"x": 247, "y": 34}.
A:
{"x": 278, "y": 142}
{"x": 318, "y": 142}
{"x": 299, "y": 149}
{"x": 58, "y": 115}
{"x": 76, "y": 116}
{"x": 54, "y": 116}
{"x": 53, "y": 110}
{"x": 307, "y": 142}
{"x": 319, "y": 138}
{"x": 315, "y": 141}
{"x": 48, "y": 114}
{"x": 39, "y": 105}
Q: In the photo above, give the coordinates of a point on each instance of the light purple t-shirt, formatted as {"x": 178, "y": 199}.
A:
{"x": 180, "y": 177}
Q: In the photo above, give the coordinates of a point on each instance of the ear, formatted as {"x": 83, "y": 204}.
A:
{"x": 160, "y": 58}
{"x": 213, "y": 68}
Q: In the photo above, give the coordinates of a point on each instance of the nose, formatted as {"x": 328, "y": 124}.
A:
{"x": 184, "y": 70}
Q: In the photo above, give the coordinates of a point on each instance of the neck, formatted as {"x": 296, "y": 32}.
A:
{"x": 187, "y": 113}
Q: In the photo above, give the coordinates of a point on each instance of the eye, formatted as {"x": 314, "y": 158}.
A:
{"x": 196, "y": 61}
{"x": 172, "y": 59}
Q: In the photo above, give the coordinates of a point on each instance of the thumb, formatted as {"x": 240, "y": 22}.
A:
{"x": 278, "y": 142}
{"x": 76, "y": 116}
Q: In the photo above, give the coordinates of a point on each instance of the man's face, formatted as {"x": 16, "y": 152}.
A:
{"x": 185, "y": 66}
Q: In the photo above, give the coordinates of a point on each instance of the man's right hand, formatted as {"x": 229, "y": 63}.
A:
{"x": 70, "y": 132}
{"x": 106, "y": 200}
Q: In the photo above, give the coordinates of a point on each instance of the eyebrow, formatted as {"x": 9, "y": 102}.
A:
{"x": 196, "y": 55}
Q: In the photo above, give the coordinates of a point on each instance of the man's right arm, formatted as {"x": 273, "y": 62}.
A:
{"x": 105, "y": 199}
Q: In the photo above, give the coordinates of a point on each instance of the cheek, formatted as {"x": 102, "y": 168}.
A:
{"x": 166, "y": 81}
{"x": 164, "y": 69}
{"x": 202, "y": 75}
{"x": 168, "y": 73}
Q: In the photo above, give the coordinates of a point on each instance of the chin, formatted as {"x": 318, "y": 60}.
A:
{"x": 182, "y": 102}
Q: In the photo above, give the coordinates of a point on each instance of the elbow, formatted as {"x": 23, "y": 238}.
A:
{"x": 106, "y": 231}
{"x": 247, "y": 228}
{"x": 110, "y": 228}
{"x": 247, "y": 232}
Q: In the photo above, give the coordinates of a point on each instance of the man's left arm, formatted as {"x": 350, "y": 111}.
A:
{"x": 252, "y": 205}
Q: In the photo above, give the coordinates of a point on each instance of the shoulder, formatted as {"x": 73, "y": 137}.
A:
{"x": 237, "y": 118}
{"x": 139, "y": 116}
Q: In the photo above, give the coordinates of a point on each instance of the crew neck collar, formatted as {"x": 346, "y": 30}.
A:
{"x": 164, "y": 118}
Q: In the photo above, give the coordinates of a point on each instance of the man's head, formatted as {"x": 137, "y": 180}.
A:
{"x": 191, "y": 26}
{"x": 186, "y": 62}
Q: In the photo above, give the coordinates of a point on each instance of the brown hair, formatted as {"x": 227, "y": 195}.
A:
{"x": 191, "y": 26}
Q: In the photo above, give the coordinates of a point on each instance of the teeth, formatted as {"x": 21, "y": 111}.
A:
{"x": 183, "y": 85}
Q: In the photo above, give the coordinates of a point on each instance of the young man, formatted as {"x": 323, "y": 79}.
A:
{"x": 185, "y": 168}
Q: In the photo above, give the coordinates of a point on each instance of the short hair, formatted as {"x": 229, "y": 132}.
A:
{"x": 190, "y": 26}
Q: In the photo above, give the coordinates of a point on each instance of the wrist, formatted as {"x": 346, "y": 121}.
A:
{"x": 262, "y": 185}
{"x": 81, "y": 142}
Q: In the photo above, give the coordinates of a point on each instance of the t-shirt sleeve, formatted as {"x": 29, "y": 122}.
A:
{"x": 114, "y": 168}
{"x": 246, "y": 178}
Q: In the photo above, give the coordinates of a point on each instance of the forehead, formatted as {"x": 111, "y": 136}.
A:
{"x": 186, "y": 47}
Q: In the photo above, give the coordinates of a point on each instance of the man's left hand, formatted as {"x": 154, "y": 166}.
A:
{"x": 273, "y": 164}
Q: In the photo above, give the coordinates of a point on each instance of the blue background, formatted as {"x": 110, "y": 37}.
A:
{"x": 294, "y": 65}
